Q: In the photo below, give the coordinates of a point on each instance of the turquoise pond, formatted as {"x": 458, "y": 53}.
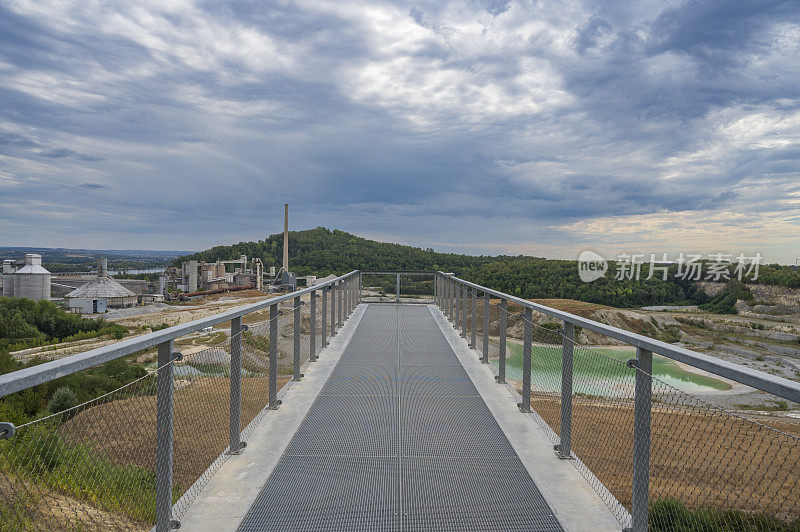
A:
{"x": 601, "y": 371}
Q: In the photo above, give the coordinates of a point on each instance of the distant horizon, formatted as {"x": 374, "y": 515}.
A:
{"x": 608, "y": 256}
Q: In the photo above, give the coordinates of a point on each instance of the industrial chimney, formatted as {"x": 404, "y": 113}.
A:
{"x": 286, "y": 237}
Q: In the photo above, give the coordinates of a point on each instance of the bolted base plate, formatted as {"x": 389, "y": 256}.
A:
{"x": 240, "y": 450}
{"x": 561, "y": 455}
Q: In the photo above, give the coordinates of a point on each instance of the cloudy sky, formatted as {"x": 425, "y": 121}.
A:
{"x": 482, "y": 126}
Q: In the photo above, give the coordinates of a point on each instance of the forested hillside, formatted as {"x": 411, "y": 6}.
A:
{"x": 322, "y": 251}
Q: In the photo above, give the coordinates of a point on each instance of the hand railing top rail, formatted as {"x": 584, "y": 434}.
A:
{"x": 398, "y": 272}
{"x": 760, "y": 380}
{"x": 26, "y": 378}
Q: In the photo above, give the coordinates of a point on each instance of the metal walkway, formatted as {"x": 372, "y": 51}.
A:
{"x": 399, "y": 439}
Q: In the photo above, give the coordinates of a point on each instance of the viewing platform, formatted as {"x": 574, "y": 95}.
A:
{"x": 461, "y": 409}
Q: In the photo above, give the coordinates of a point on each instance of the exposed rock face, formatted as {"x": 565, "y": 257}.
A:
{"x": 768, "y": 299}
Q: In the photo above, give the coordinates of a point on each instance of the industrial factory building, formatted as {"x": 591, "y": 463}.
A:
{"x": 100, "y": 294}
{"x": 195, "y": 278}
{"x": 26, "y": 278}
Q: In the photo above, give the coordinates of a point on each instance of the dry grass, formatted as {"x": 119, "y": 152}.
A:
{"x": 701, "y": 457}
{"x": 125, "y": 430}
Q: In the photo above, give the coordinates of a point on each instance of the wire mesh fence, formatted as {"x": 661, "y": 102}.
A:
{"x": 710, "y": 469}
{"x": 89, "y": 467}
{"x": 96, "y": 466}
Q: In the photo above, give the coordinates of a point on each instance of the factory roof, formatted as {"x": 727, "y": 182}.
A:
{"x": 32, "y": 268}
{"x": 102, "y": 287}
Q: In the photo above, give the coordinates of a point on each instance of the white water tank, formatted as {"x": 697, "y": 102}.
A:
{"x": 32, "y": 281}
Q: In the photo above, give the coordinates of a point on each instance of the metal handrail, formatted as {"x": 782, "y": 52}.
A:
{"x": 451, "y": 294}
{"x": 779, "y": 386}
{"x": 26, "y": 378}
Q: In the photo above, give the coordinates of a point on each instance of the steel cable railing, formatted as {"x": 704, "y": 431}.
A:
{"x": 661, "y": 458}
{"x": 139, "y": 455}
{"x": 91, "y": 466}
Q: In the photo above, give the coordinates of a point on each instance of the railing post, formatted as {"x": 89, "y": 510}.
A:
{"x": 446, "y": 297}
{"x": 501, "y": 363}
{"x": 348, "y": 295}
{"x": 472, "y": 330}
{"x": 274, "y": 403}
{"x": 452, "y": 303}
{"x": 237, "y": 329}
{"x": 458, "y": 307}
{"x": 397, "y": 289}
{"x": 457, "y": 320}
{"x": 342, "y": 303}
{"x": 359, "y": 287}
{"x": 324, "y": 316}
{"x": 527, "y": 340}
{"x": 464, "y": 310}
{"x": 296, "y": 375}
{"x": 333, "y": 309}
{"x": 312, "y": 356}
{"x": 565, "y": 446}
{"x": 641, "y": 439}
{"x": 164, "y": 436}
{"x": 340, "y": 299}
{"x": 486, "y": 304}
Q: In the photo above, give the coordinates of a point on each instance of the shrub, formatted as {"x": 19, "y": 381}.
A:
{"x": 63, "y": 399}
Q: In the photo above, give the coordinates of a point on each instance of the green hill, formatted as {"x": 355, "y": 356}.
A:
{"x": 323, "y": 251}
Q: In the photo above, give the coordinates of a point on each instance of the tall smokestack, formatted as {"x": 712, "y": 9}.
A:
{"x": 286, "y": 237}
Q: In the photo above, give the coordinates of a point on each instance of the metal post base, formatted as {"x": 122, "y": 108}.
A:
{"x": 240, "y": 450}
{"x": 276, "y": 406}
{"x": 561, "y": 455}
{"x": 524, "y": 408}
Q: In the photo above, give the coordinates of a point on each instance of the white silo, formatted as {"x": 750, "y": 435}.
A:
{"x": 8, "y": 278}
{"x": 32, "y": 281}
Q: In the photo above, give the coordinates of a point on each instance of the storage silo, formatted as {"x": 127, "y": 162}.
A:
{"x": 32, "y": 281}
{"x": 8, "y": 278}
{"x": 101, "y": 292}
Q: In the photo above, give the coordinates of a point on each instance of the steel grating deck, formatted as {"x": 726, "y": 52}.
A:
{"x": 399, "y": 439}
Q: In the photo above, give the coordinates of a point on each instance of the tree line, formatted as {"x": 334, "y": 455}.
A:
{"x": 323, "y": 251}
